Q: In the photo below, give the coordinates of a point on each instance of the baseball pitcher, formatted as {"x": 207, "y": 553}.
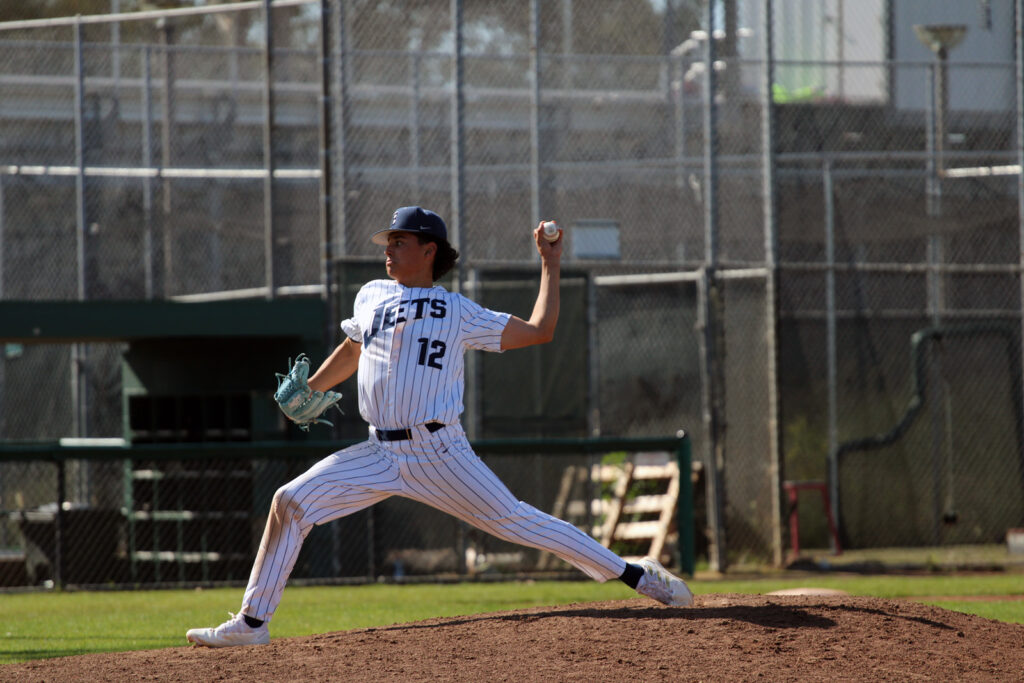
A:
{"x": 405, "y": 341}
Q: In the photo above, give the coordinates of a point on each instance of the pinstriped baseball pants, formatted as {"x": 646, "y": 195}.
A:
{"x": 440, "y": 470}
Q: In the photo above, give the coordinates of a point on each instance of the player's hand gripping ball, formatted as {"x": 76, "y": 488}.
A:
{"x": 297, "y": 400}
{"x": 550, "y": 230}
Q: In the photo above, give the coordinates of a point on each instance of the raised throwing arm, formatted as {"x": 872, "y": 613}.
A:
{"x": 540, "y": 328}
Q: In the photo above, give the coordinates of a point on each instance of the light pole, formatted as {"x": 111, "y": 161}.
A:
{"x": 940, "y": 39}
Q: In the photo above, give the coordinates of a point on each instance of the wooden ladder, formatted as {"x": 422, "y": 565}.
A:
{"x": 656, "y": 511}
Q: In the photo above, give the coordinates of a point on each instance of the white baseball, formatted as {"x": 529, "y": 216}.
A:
{"x": 550, "y": 229}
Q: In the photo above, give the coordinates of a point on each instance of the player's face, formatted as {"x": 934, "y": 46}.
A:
{"x": 407, "y": 261}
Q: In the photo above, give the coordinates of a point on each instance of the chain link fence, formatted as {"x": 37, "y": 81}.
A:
{"x": 173, "y": 515}
{"x": 898, "y": 203}
{"x": 791, "y": 228}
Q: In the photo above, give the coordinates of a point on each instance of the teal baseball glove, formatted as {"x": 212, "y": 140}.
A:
{"x": 297, "y": 400}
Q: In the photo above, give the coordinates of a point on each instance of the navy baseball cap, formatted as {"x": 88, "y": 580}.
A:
{"x": 413, "y": 219}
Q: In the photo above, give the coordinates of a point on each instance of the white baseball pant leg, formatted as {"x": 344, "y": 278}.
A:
{"x": 341, "y": 484}
{"x": 440, "y": 470}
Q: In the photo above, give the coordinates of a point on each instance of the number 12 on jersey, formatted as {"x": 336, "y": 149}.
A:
{"x": 434, "y": 359}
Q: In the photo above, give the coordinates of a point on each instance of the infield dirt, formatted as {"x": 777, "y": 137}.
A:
{"x": 724, "y": 637}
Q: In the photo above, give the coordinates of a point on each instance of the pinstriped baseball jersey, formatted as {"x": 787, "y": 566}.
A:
{"x": 411, "y": 367}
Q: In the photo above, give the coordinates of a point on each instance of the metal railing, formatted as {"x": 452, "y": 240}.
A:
{"x": 226, "y": 469}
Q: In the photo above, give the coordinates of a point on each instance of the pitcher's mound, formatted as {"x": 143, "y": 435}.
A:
{"x": 720, "y": 638}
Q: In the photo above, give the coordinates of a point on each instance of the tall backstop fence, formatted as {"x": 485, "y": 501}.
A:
{"x": 792, "y": 229}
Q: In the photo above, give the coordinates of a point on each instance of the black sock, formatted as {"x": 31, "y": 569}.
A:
{"x": 631, "y": 575}
{"x": 252, "y": 623}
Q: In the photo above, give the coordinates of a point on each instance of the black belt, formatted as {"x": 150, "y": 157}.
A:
{"x": 404, "y": 434}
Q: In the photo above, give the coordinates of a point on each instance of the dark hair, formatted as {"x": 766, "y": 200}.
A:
{"x": 444, "y": 259}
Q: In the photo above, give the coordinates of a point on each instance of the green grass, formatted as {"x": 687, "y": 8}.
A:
{"x": 38, "y": 625}
{"x": 1012, "y": 612}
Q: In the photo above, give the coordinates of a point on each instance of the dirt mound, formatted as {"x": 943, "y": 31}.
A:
{"x": 723, "y": 637}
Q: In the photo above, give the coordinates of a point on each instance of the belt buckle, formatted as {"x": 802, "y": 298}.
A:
{"x": 393, "y": 434}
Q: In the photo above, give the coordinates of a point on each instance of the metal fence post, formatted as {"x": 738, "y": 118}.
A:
{"x": 3, "y": 349}
{"x": 58, "y": 526}
{"x": 771, "y": 281}
{"x": 338, "y": 244}
{"x": 371, "y": 542}
{"x": 714, "y": 456}
{"x": 710, "y": 146}
{"x": 593, "y": 359}
{"x": 115, "y": 42}
{"x": 568, "y": 35}
{"x": 345, "y": 77}
{"x": 771, "y": 248}
{"x": 457, "y": 145}
{"x": 147, "y": 162}
{"x": 684, "y": 508}
{"x": 933, "y": 191}
{"x": 80, "y": 227}
{"x": 535, "y": 161}
{"x": 326, "y": 180}
{"x": 79, "y": 390}
{"x": 1019, "y": 59}
{"x": 2, "y": 219}
{"x": 938, "y": 395}
{"x": 832, "y": 465}
{"x": 414, "y": 125}
{"x": 268, "y": 148}
{"x": 166, "y": 134}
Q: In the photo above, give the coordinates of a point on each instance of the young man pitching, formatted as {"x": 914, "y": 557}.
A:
{"x": 406, "y": 339}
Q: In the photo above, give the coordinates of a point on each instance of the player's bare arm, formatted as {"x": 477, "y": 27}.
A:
{"x": 338, "y": 367}
{"x": 540, "y": 328}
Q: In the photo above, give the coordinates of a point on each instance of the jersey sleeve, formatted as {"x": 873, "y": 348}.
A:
{"x": 350, "y": 326}
{"x": 482, "y": 327}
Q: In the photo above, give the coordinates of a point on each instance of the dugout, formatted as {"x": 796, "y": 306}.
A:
{"x": 197, "y": 377}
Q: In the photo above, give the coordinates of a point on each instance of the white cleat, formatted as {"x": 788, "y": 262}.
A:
{"x": 232, "y": 632}
{"x": 659, "y": 583}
